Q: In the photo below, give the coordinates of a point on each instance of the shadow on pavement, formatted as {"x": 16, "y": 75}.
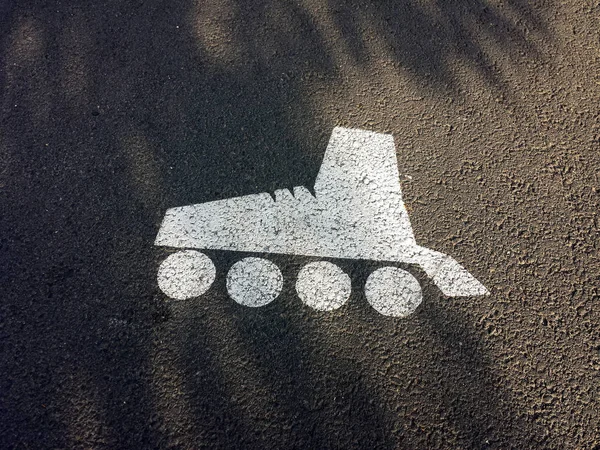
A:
{"x": 113, "y": 112}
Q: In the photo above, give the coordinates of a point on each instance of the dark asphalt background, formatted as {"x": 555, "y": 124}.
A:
{"x": 113, "y": 111}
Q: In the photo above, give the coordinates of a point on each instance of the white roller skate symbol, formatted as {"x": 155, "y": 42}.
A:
{"x": 357, "y": 212}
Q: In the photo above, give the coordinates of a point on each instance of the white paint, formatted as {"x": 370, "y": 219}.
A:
{"x": 393, "y": 292}
{"x": 254, "y": 282}
{"x": 186, "y": 274}
{"x": 323, "y": 286}
{"x": 357, "y": 212}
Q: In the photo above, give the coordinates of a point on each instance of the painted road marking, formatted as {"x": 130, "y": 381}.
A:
{"x": 357, "y": 212}
{"x": 254, "y": 282}
{"x": 393, "y": 292}
{"x": 186, "y": 274}
{"x": 323, "y": 286}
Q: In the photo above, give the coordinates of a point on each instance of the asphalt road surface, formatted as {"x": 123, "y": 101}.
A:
{"x": 112, "y": 112}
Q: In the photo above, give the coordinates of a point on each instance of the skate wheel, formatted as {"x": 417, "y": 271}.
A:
{"x": 393, "y": 292}
{"x": 323, "y": 286}
{"x": 254, "y": 282}
{"x": 186, "y": 274}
